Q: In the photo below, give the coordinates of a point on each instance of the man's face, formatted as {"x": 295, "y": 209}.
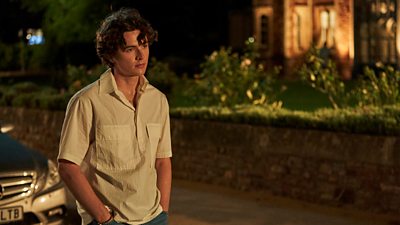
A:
{"x": 132, "y": 59}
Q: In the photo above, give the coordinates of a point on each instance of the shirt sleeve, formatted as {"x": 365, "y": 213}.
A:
{"x": 76, "y": 129}
{"x": 164, "y": 146}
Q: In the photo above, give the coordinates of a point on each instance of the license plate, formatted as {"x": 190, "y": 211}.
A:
{"x": 11, "y": 214}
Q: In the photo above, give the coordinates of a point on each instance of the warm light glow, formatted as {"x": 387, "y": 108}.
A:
{"x": 373, "y": 7}
{"x": 301, "y": 30}
{"x": 342, "y": 46}
{"x": 332, "y": 19}
{"x": 398, "y": 43}
{"x": 6, "y": 128}
{"x": 383, "y": 8}
{"x": 324, "y": 20}
{"x": 389, "y": 25}
{"x": 392, "y": 7}
{"x": 351, "y": 35}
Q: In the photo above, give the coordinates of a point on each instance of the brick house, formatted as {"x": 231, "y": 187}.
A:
{"x": 357, "y": 32}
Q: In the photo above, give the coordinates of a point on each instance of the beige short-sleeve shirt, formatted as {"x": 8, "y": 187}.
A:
{"x": 116, "y": 146}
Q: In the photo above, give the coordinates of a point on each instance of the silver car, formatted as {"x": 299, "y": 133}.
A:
{"x": 31, "y": 191}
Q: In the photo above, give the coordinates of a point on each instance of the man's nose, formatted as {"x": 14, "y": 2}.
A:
{"x": 139, "y": 54}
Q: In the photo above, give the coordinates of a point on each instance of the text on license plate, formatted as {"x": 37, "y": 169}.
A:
{"x": 11, "y": 214}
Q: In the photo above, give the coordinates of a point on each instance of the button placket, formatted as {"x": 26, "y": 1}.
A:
{"x": 140, "y": 129}
{"x": 139, "y": 134}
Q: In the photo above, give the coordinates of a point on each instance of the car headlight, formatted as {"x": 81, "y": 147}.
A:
{"x": 49, "y": 179}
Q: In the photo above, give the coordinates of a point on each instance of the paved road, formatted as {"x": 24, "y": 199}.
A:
{"x": 207, "y": 205}
{"x": 198, "y": 204}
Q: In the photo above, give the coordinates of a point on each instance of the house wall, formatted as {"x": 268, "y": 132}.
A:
{"x": 296, "y": 27}
{"x": 331, "y": 168}
{"x": 239, "y": 29}
{"x": 344, "y": 37}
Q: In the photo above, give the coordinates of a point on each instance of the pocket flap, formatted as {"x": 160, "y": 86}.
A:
{"x": 154, "y": 131}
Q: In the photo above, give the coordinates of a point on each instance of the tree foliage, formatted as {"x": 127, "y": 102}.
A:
{"x": 322, "y": 75}
{"x": 228, "y": 78}
{"x": 378, "y": 86}
{"x": 69, "y": 21}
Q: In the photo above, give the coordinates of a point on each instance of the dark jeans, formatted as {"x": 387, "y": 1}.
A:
{"x": 161, "y": 219}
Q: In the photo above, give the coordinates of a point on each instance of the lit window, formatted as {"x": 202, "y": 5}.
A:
{"x": 377, "y": 32}
{"x": 327, "y": 19}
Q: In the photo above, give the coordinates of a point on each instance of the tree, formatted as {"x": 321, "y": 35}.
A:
{"x": 69, "y": 21}
{"x": 69, "y": 28}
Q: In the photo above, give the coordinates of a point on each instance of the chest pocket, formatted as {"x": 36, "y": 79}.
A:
{"x": 154, "y": 135}
{"x": 116, "y": 147}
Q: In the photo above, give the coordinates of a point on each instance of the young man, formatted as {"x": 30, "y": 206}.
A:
{"x": 115, "y": 145}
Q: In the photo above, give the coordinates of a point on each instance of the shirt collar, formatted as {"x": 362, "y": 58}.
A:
{"x": 143, "y": 82}
{"x": 108, "y": 85}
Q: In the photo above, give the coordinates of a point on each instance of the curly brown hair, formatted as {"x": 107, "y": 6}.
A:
{"x": 110, "y": 35}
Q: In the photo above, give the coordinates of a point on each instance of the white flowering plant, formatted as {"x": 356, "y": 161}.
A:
{"x": 322, "y": 75}
{"x": 379, "y": 86}
{"x": 228, "y": 78}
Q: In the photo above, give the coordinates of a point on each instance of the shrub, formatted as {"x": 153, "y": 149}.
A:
{"x": 7, "y": 96}
{"x": 161, "y": 76}
{"x": 229, "y": 79}
{"x": 380, "y": 87}
{"x": 367, "y": 120}
{"x": 322, "y": 75}
{"x": 36, "y": 57}
{"x": 9, "y": 93}
{"x": 54, "y": 102}
{"x": 24, "y": 100}
{"x": 10, "y": 56}
{"x": 25, "y": 87}
{"x": 31, "y": 95}
{"x": 80, "y": 76}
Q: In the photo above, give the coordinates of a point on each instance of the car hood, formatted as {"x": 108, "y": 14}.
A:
{"x": 16, "y": 157}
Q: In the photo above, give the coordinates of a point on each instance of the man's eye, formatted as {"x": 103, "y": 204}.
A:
{"x": 128, "y": 49}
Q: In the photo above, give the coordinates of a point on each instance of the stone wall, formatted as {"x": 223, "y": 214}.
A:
{"x": 337, "y": 169}
{"x": 37, "y": 129}
{"x": 323, "y": 167}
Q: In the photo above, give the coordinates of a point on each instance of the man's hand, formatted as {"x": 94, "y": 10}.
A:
{"x": 112, "y": 222}
{"x": 79, "y": 186}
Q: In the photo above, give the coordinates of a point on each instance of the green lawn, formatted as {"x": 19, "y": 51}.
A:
{"x": 297, "y": 96}
{"x": 300, "y": 96}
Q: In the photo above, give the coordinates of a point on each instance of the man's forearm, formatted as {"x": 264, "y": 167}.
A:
{"x": 78, "y": 184}
{"x": 164, "y": 180}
